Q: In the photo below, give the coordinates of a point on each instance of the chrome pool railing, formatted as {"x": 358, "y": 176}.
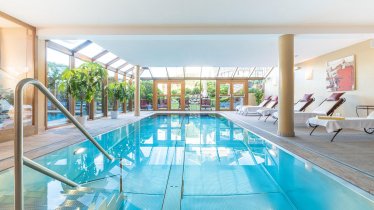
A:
{"x": 19, "y": 159}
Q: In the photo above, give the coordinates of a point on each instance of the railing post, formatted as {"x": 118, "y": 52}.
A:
{"x": 18, "y": 148}
{"x": 18, "y": 141}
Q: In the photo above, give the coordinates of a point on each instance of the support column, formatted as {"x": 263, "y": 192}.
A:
{"x": 137, "y": 90}
{"x": 41, "y": 103}
{"x": 286, "y": 85}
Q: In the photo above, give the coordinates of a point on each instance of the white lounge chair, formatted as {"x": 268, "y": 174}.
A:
{"x": 299, "y": 106}
{"x": 337, "y": 125}
{"x": 327, "y": 107}
{"x": 253, "y": 110}
{"x": 242, "y": 109}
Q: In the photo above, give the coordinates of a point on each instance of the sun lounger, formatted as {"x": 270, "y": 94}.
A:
{"x": 252, "y": 110}
{"x": 241, "y": 109}
{"x": 299, "y": 106}
{"x": 337, "y": 124}
{"x": 326, "y": 108}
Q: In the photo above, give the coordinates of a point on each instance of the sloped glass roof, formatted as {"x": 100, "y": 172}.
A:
{"x": 175, "y": 72}
{"x": 118, "y": 63}
{"x": 70, "y": 44}
{"x": 87, "y": 50}
{"x": 106, "y": 58}
{"x": 91, "y": 50}
{"x": 192, "y": 72}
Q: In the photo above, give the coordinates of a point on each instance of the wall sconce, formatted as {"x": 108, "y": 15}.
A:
{"x": 309, "y": 74}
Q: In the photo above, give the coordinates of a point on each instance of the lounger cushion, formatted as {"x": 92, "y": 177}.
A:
{"x": 271, "y": 104}
{"x": 334, "y": 96}
{"x": 324, "y": 107}
{"x": 267, "y": 98}
{"x": 306, "y": 97}
{"x": 299, "y": 105}
{"x": 263, "y": 103}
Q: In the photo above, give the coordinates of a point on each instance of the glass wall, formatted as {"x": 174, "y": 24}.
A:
{"x": 146, "y": 94}
{"x": 16, "y": 63}
{"x": 162, "y": 96}
{"x": 57, "y": 62}
{"x": 192, "y": 95}
{"x": 208, "y": 95}
{"x": 175, "y": 96}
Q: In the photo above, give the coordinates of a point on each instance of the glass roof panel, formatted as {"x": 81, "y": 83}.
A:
{"x": 70, "y": 44}
{"x": 120, "y": 78}
{"x": 158, "y": 72}
{"x": 227, "y": 71}
{"x": 192, "y": 71}
{"x": 106, "y": 58}
{"x": 146, "y": 74}
{"x": 209, "y": 72}
{"x": 259, "y": 72}
{"x": 175, "y": 72}
{"x": 91, "y": 50}
{"x": 118, "y": 63}
{"x": 127, "y": 67}
{"x": 243, "y": 72}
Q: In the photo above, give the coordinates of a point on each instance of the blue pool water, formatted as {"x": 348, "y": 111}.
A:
{"x": 186, "y": 162}
{"x": 55, "y": 116}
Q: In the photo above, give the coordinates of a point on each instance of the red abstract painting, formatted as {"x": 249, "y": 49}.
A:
{"x": 340, "y": 74}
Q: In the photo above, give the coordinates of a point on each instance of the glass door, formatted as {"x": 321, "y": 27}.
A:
{"x": 224, "y": 93}
{"x": 161, "y": 96}
{"x": 176, "y": 100}
{"x": 239, "y": 96}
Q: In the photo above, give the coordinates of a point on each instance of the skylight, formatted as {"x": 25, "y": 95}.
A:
{"x": 70, "y": 44}
{"x": 91, "y": 50}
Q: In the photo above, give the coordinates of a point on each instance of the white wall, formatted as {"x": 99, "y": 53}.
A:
{"x": 364, "y": 93}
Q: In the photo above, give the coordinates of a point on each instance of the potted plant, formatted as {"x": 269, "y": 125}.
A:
{"x": 116, "y": 92}
{"x": 130, "y": 91}
{"x": 82, "y": 83}
{"x": 256, "y": 94}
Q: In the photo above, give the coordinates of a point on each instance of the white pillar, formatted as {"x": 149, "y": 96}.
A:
{"x": 137, "y": 90}
{"x": 286, "y": 86}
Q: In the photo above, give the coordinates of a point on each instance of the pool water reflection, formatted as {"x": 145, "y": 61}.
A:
{"x": 186, "y": 161}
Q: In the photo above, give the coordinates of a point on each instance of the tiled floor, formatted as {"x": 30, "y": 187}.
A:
{"x": 349, "y": 157}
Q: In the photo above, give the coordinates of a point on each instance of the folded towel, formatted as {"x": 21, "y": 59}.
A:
{"x": 330, "y": 118}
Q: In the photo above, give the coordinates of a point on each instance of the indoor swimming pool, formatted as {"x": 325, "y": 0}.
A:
{"x": 182, "y": 161}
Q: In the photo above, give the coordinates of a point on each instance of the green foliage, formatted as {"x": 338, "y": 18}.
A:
{"x": 117, "y": 92}
{"x": 259, "y": 94}
{"x": 130, "y": 90}
{"x": 83, "y": 82}
{"x": 224, "y": 89}
{"x": 54, "y": 75}
{"x": 146, "y": 90}
{"x": 211, "y": 89}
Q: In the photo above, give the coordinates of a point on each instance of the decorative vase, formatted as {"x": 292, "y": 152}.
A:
{"x": 82, "y": 120}
{"x": 114, "y": 114}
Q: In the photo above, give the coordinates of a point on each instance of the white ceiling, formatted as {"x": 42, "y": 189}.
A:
{"x": 213, "y": 50}
{"x": 192, "y": 12}
{"x": 201, "y": 33}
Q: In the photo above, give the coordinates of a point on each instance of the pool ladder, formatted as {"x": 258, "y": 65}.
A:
{"x": 20, "y": 160}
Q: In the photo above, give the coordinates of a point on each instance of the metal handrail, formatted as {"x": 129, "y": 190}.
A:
{"x": 19, "y": 159}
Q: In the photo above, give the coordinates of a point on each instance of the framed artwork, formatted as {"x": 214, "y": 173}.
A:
{"x": 341, "y": 74}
